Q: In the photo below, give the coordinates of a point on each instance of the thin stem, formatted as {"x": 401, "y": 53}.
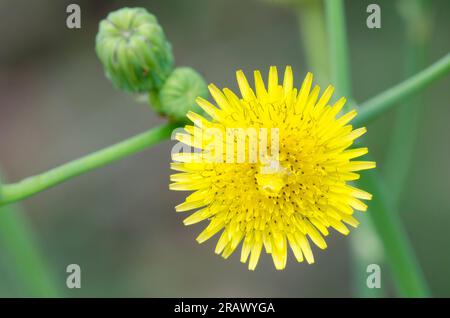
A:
{"x": 404, "y": 131}
{"x": 337, "y": 37}
{"x": 377, "y": 105}
{"x": 400, "y": 154}
{"x": 311, "y": 25}
{"x": 407, "y": 274}
{"x": 32, "y": 185}
{"x": 366, "y": 248}
{"x": 20, "y": 247}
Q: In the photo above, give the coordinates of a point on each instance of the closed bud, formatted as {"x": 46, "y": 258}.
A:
{"x": 133, "y": 50}
{"x": 179, "y": 93}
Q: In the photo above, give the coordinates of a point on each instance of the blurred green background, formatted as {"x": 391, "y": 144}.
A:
{"x": 118, "y": 223}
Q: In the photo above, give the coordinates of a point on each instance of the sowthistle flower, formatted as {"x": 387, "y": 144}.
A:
{"x": 286, "y": 200}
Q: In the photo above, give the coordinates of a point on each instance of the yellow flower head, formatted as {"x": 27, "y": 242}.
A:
{"x": 270, "y": 169}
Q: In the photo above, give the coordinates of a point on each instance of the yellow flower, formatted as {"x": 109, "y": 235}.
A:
{"x": 279, "y": 199}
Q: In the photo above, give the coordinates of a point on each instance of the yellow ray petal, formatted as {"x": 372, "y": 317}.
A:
{"x": 288, "y": 81}
{"x": 304, "y": 92}
{"x": 273, "y": 80}
{"x": 244, "y": 87}
{"x": 261, "y": 92}
{"x": 255, "y": 251}
{"x": 306, "y": 249}
{"x": 218, "y": 96}
{"x": 324, "y": 99}
{"x": 360, "y": 165}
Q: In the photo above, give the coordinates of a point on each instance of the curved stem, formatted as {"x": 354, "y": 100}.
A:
{"x": 32, "y": 185}
{"x": 377, "y": 105}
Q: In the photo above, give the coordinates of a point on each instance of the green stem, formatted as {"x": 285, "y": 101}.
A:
{"x": 32, "y": 185}
{"x": 20, "y": 248}
{"x": 377, "y": 105}
{"x": 400, "y": 154}
{"x": 407, "y": 274}
{"x": 366, "y": 248}
{"x": 337, "y": 39}
{"x": 403, "y": 137}
{"x": 310, "y": 18}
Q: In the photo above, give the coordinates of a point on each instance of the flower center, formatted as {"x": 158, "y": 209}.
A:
{"x": 271, "y": 180}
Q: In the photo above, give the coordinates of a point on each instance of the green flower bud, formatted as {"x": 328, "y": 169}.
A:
{"x": 179, "y": 93}
{"x": 133, "y": 50}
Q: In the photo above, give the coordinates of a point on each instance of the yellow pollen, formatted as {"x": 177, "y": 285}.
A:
{"x": 271, "y": 183}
